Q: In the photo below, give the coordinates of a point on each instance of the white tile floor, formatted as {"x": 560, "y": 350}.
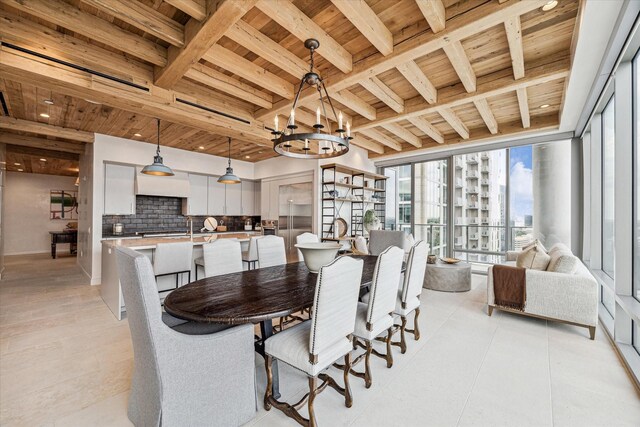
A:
{"x": 66, "y": 361}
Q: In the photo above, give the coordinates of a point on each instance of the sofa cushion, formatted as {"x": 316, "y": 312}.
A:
{"x": 534, "y": 258}
{"x": 563, "y": 261}
{"x": 536, "y": 242}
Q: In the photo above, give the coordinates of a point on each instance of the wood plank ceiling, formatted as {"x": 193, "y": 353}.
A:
{"x": 407, "y": 74}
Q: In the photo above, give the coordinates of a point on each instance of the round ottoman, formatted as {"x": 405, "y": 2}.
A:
{"x": 448, "y": 277}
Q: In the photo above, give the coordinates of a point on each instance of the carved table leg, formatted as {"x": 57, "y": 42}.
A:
{"x": 266, "y": 330}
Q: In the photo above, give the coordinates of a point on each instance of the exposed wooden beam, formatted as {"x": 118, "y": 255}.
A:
{"x": 220, "y": 81}
{"x": 19, "y": 125}
{"x": 35, "y": 142}
{"x": 490, "y": 85}
{"x": 367, "y": 22}
{"x": 458, "y": 57}
{"x": 468, "y": 24}
{"x": 523, "y": 103}
{"x": 487, "y": 115}
{"x": 434, "y": 13}
{"x": 7, "y": 100}
{"x": 72, "y": 18}
{"x": 383, "y": 93}
{"x": 224, "y": 58}
{"x": 514, "y": 37}
{"x": 367, "y": 144}
{"x": 419, "y": 81}
{"x": 300, "y": 25}
{"x": 404, "y": 134}
{"x": 383, "y": 139}
{"x": 454, "y": 121}
{"x": 199, "y": 36}
{"x": 255, "y": 41}
{"x": 426, "y": 127}
{"x": 194, "y": 8}
{"x": 348, "y": 99}
{"x": 143, "y": 17}
{"x": 39, "y": 152}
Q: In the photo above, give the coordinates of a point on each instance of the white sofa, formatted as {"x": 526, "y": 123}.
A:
{"x": 568, "y": 298}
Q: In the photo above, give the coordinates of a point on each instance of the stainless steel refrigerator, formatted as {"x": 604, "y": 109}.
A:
{"x": 295, "y": 214}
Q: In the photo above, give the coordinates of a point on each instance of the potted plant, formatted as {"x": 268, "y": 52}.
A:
{"x": 370, "y": 221}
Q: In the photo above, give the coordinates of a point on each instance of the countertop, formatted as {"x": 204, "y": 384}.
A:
{"x": 151, "y": 242}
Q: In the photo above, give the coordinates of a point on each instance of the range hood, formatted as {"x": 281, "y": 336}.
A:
{"x": 166, "y": 186}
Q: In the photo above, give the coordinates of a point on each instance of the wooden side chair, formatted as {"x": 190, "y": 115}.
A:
{"x": 224, "y": 256}
{"x": 314, "y": 345}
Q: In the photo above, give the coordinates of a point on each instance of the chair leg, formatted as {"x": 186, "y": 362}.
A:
{"x": 189, "y": 276}
{"x": 389, "y": 354}
{"x": 367, "y": 369}
{"x": 489, "y": 310}
{"x": 403, "y": 342}
{"x": 348, "y": 399}
{"x": 196, "y": 271}
{"x": 416, "y": 327}
{"x": 268, "y": 391}
{"x": 312, "y": 396}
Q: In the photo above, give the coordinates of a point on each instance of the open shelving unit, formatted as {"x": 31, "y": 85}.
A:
{"x": 363, "y": 191}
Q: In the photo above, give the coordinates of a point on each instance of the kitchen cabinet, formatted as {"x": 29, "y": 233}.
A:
{"x": 248, "y": 198}
{"x": 265, "y": 212}
{"x": 119, "y": 190}
{"x": 257, "y": 187}
{"x": 196, "y": 203}
{"x": 233, "y": 199}
{"x": 215, "y": 197}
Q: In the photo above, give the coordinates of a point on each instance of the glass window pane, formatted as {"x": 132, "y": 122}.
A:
{"x": 430, "y": 216}
{"x": 608, "y": 300}
{"x": 521, "y": 196}
{"x": 608, "y": 185}
{"x": 398, "y": 201}
{"x": 635, "y": 329}
{"x": 636, "y": 182}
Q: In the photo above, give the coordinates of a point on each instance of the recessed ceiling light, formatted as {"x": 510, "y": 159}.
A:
{"x": 45, "y": 115}
{"x": 549, "y": 5}
{"x": 20, "y": 170}
{"x": 247, "y": 157}
{"x": 16, "y": 164}
{"x": 545, "y": 106}
{"x": 201, "y": 148}
{"x": 92, "y": 102}
{"x": 43, "y": 160}
{"x": 48, "y": 101}
{"x": 136, "y": 134}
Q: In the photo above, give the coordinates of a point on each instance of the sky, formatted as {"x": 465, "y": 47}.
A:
{"x": 521, "y": 184}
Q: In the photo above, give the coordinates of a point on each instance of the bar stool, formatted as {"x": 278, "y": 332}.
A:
{"x": 224, "y": 256}
{"x": 305, "y": 238}
{"x": 173, "y": 258}
{"x": 271, "y": 251}
{"x": 250, "y": 256}
{"x": 199, "y": 262}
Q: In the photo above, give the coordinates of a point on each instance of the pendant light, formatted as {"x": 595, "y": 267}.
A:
{"x": 157, "y": 168}
{"x": 229, "y": 177}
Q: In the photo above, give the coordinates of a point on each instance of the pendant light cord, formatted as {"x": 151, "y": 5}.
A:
{"x": 158, "y": 148}
{"x": 229, "y": 151}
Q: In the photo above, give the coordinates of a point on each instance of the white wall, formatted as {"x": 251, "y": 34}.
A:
{"x": 26, "y": 220}
{"x": 85, "y": 208}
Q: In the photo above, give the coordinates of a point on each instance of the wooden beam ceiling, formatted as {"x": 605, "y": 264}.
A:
{"x": 19, "y": 125}
{"x": 367, "y": 22}
{"x": 434, "y": 13}
{"x": 514, "y": 37}
{"x": 43, "y": 143}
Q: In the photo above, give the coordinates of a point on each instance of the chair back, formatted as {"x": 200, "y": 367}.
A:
{"x": 306, "y": 238}
{"x": 144, "y": 315}
{"x": 253, "y": 248}
{"x": 361, "y": 245}
{"x": 335, "y": 303}
{"x": 383, "y": 292}
{"x": 172, "y": 257}
{"x": 271, "y": 251}
{"x": 223, "y": 256}
{"x": 379, "y": 240}
{"x": 414, "y": 273}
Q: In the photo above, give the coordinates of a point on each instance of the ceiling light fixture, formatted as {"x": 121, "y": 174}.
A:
{"x": 43, "y": 160}
{"x": 45, "y": 115}
{"x": 201, "y": 148}
{"x": 20, "y": 170}
{"x": 229, "y": 177}
{"x": 545, "y": 106}
{"x": 137, "y": 134}
{"x": 291, "y": 144}
{"x": 549, "y": 5}
{"x": 77, "y": 183}
{"x": 157, "y": 168}
{"x": 247, "y": 157}
{"x": 48, "y": 101}
{"x": 16, "y": 164}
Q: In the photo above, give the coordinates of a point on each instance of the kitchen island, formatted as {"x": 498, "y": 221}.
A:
{"x": 110, "y": 289}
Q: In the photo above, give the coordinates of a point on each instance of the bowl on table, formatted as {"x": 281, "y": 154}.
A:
{"x": 316, "y": 255}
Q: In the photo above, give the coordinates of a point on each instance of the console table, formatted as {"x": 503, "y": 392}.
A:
{"x": 66, "y": 236}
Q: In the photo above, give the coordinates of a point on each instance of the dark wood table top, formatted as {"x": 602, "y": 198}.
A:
{"x": 251, "y": 296}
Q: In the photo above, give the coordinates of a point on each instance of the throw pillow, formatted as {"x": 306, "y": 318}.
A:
{"x": 563, "y": 262}
{"x": 534, "y": 258}
{"x": 534, "y": 243}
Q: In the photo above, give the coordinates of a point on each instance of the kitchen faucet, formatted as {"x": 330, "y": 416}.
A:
{"x": 190, "y": 225}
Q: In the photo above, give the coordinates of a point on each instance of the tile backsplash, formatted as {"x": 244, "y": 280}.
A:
{"x": 164, "y": 214}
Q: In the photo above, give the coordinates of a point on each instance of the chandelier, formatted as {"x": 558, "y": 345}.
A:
{"x": 318, "y": 144}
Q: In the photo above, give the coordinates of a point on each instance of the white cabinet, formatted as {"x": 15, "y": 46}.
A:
{"x": 119, "y": 190}
{"x": 233, "y": 198}
{"x": 257, "y": 194}
{"x": 265, "y": 213}
{"x": 248, "y": 198}
{"x": 196, "y": 203}
{"x": 215, "y": 199}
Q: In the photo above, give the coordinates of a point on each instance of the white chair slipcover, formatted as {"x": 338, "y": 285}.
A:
{"x": 173, "y": 258}
{"x": 250, "y": 256}
{"x": 223, "y": 256}
{"x": 271, "y": 251}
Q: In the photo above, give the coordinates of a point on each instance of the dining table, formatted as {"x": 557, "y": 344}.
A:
{"x": 253, "y": 296}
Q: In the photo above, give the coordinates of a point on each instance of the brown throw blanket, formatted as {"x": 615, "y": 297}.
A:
{"x": 510, "y": 286}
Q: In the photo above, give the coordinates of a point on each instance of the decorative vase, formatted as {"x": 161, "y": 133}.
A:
{"x": 372, "y": 225}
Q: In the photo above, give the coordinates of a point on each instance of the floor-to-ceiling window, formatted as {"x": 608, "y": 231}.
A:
{"x": 398, "y": 198}
{"x": 431, "y": 204}
{"x": 636, "y": 183}
{"x": 520, "y": 196}
{"x": 608, "y": 186}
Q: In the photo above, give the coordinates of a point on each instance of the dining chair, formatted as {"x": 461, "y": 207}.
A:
{"x": 250, "y": 256}
{"x": 314, "y": 345}
{"x": 379, "y": 240}
{"x": 184, "y": 373}
{"x": 375, "y": 316}
{"x": 222, "y": 256}
{"x": 408, "y": 299}
{"x": 173, "y": 258}
{"x": 305, "y": 238}
{"x": 271, "y": 251}
{"x": 360, "y": 246}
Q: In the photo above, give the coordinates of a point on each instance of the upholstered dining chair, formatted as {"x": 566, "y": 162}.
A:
{"x": 199, "y": 262}
{"x": 314, "y": 345}
{"x": 360, "y": 246}
{"x": 271, "y": 251}
{"x": 173, "y": 258}
{"x": 379, "y": 240}
{"x": 375, "y": 316}
{"x": 184, "y": 373}
{"x": 306, "y": 238}
{"x": 250, "y": 256}
{"x": 223, "y": 256}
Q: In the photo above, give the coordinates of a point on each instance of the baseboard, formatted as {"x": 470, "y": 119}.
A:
{"x": 28, "y": 253}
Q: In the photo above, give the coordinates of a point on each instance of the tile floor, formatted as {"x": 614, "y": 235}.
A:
{"x": 66, "y": 361}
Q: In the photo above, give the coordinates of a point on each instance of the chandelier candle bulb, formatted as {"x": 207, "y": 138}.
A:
{"x": 275, "y": 123}
{"x": 348, "y": 130}
{"x": 340, "y": 120}
{"x": 293, "y": 117}
{"x": 318, "y": 115}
